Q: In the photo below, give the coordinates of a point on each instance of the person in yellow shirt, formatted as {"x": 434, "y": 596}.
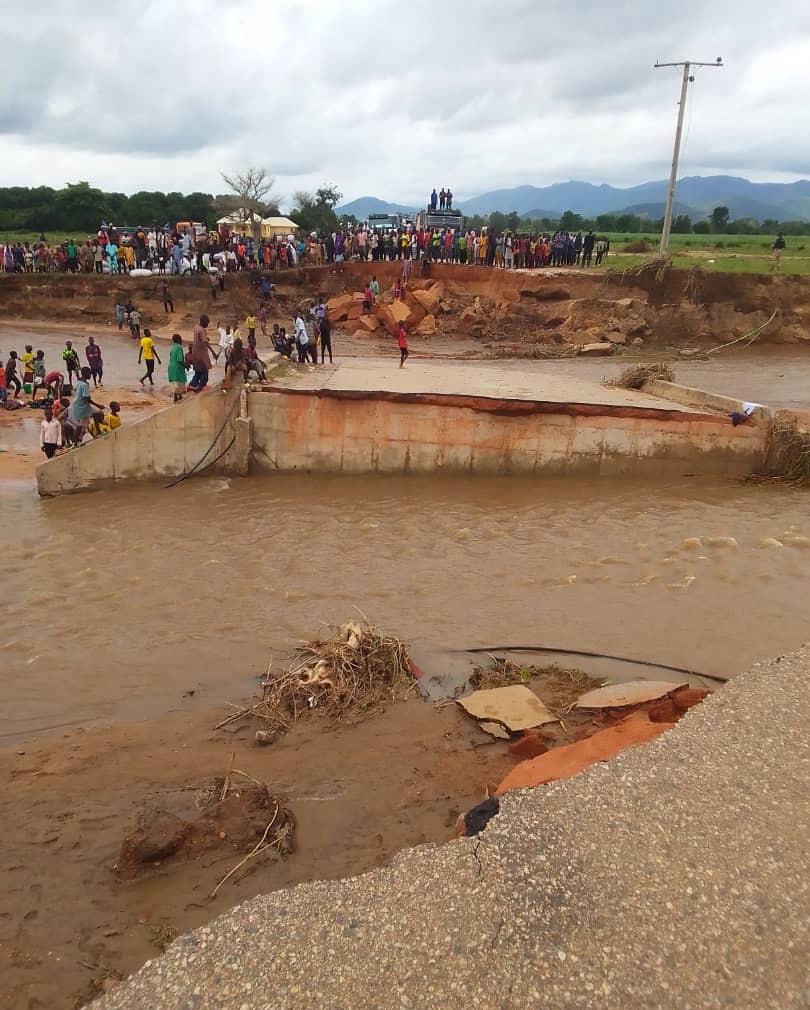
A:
{"x": 148, "y": 355}
{"x": 28, "y": 364}
{"x": 97, "y": 426}
{"x": 250, "y": 325}
{"x": 113, "y": 419}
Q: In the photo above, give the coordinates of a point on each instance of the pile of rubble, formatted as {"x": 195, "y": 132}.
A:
{"x": 590, "y": 326}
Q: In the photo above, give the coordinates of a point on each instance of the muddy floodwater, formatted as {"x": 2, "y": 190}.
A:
{"x": 116, "y": 604}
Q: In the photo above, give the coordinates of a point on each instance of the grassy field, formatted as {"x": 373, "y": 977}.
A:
{"x": 749, "y": 254}
{"x": 53, "y": 237}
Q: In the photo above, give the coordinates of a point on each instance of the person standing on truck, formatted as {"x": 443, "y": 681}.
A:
{"x": 433, "y": 199}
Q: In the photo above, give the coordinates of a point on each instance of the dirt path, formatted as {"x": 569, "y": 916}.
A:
{"x": 359, "y": 795}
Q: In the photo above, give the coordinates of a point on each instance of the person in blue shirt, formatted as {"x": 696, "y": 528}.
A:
{"x": 81, "y": 409}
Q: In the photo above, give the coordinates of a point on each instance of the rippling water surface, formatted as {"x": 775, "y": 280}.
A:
{"x": 115, "y": 603}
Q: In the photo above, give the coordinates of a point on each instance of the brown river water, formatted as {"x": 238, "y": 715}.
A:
{"x": 118, "y": 602}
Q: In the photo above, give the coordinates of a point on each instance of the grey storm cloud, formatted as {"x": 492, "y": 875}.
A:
{"x": 384, "y": 98}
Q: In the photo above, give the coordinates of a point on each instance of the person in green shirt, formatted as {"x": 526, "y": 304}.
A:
{"x": 177, "y": 367}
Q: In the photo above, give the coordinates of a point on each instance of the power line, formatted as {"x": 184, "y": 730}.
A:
{"x": 673, "y": 175}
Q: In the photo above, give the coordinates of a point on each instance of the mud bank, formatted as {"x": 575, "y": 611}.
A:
{"x": 475, "y": 303}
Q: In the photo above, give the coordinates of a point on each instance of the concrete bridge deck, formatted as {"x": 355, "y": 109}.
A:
{"x": 450, "y": 378}
{"x": 371, "y": 416}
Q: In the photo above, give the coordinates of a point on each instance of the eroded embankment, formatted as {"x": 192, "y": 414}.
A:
{"x": 647, "y": 306}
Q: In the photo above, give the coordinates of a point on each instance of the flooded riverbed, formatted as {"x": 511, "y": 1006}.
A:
{"x": 118, "y": 603}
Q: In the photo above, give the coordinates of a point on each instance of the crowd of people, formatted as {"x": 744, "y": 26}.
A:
{"x": 218, "y": 253}
{"x": 501, "y": 249}
{"x": 153, "y": 250}
{"x": 64, "y": 393}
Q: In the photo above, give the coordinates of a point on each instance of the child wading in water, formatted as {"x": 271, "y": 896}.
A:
{"x": 402, "y": 343}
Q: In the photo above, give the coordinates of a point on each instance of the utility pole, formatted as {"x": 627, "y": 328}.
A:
{"x": 673, "y": 176}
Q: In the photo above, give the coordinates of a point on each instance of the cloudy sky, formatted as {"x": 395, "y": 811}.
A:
{"x": 387, "y": 98}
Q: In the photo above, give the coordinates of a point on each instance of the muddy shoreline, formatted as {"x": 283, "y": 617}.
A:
{"x": 359, "y": 794}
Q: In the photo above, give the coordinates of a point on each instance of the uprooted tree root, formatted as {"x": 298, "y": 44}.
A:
{"x": 788, "y": 453}
{"x": 350, "y": 674}
{"x": 659, "y": 267}
{"x": 636, "y": 376}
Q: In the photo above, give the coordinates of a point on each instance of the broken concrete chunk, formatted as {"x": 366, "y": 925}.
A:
{"x": 634, "y": 692}
{"x": 514, "y": 707}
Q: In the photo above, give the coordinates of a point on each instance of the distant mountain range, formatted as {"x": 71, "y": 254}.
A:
{"x": 697, "y": 197}
{"x": 365, "y": 205}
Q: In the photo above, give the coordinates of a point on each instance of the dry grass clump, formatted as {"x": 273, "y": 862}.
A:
{"x": 788, "y": 456}
{"x": 636, "y": 376}
{"x": 352, "y": 672}
{"x": 544, "y": 351}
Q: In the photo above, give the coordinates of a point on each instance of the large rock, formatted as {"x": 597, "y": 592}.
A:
{"x": 368, "y": 324}
{"x": 429, "y": 300}
{"x": 337, "y": 309}
{"x": 427, "y": 327}
{"x": 394, "y": 314}
{"x": 616, "y": 337}
{"x": 417, "y": 312}
{"x": 600, "y": 350}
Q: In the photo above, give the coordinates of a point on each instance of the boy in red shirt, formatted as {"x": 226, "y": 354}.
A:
{"x": 402, "y": 343}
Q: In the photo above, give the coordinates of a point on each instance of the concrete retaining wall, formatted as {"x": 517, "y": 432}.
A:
{"x": 325, "y": 431}
{"x": 167, "y": 444}
{"x": 701, "y": 399}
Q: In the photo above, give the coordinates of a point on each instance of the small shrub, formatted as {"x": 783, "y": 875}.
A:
{"x": 639, "y": 246}
{"x": 719, "y": 245}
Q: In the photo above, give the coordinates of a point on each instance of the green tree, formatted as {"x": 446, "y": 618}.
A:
{"x": 316, "y": 211}
{"x": 720, "y": 216}
{"x": 512, "y": 221}
{"x": 80, "y": 207}
{"x": 701, "y": 227}
{"x": 607, "y": 222}
{"x": 569, "y": 221}
{"x": 628, "y": 223}
{"x": 496, "y": 221}
{"x": 200, "y": 207}
{"x": 682, "y": 225}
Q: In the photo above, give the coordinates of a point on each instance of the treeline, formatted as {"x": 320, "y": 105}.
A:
{"x": 718, "y": 223}
{"x": 81, "y": 208}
